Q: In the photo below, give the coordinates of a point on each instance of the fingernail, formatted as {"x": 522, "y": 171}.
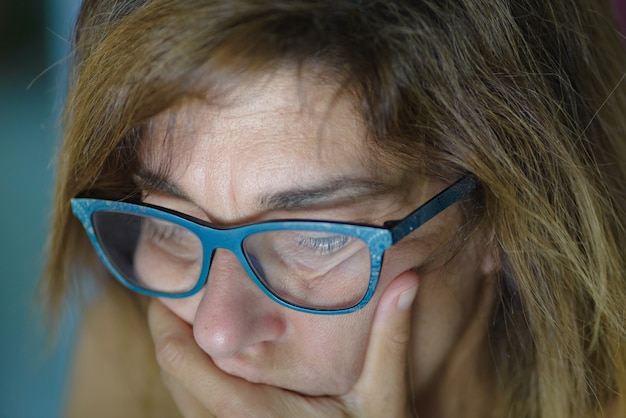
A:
{"x": 406, "y": 298}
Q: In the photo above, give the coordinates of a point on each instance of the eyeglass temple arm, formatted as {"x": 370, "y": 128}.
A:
{"x": 454, "y": 193}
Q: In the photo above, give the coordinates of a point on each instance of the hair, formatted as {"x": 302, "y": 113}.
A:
{"x": 526, "y": 95}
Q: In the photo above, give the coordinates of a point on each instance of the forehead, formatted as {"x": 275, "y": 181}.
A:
{"x": 279, "y": 108}
{"x": 270, "y": 134}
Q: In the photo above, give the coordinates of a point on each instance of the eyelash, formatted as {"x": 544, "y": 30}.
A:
{"x": 162, "y": 232}
{"x": 324, "y": 245}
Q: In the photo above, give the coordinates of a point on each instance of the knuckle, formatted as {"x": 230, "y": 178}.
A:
{"x": 399, "y": 340}
{"x": 170, "y": 352}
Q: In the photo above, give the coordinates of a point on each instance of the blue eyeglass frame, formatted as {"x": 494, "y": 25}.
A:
{"x": 378, "y": 238}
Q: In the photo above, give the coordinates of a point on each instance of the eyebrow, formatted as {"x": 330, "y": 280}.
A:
{"x": 331, "y": 192}
{"x": 153, "y": 181}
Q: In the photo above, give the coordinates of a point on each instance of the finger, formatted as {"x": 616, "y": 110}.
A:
{"x": 188, "y": 367}
{"x": 169, "y": 334}
{"x": 184, "y": 365}
{"x": 382, "y": 388}
{"x": 187, "y": 403}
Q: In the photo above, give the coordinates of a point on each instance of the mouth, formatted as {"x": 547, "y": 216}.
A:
{"x": 242, "y": 369}
{"x": 269, "y": 377}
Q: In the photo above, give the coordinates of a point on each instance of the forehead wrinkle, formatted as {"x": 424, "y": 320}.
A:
{"x": 311, "y": 114}
{"x": 172, "y": 131}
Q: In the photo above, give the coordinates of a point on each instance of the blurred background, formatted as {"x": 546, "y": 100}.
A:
{"x": 33, "y": 44}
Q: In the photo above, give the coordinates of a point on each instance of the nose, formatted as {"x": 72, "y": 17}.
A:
{"x": 234, "y": 316}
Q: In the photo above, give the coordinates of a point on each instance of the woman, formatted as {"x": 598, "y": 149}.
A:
{"x": 477, "y": 144}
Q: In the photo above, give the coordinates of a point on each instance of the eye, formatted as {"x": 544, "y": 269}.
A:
{"x": 161, "y": 231}
{"x": 323, "y": 245}
{"x": 175, "y": 240}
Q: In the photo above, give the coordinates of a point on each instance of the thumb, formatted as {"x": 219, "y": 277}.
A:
{"x": 382, "y": 388}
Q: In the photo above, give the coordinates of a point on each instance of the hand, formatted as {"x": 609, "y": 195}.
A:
{"x": 200, "y": 389}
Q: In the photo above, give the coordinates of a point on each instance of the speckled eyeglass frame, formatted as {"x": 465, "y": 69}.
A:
{"x": 97, "y": 216}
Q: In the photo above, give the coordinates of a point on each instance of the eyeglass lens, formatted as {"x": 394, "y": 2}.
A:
{"x": 322, "y": 270}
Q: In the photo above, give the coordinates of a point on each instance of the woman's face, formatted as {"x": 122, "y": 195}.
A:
{"x": 280, "y": 147}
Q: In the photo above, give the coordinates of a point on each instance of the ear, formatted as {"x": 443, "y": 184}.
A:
{"x": 490, "y": 261}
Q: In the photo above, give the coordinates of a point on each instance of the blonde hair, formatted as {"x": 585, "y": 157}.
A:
{"x": 526, "y": 95}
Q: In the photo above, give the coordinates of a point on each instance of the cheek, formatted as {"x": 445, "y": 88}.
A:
{"x": 338, "y": 344}
{"x": 452, "y": 308}
{"x": 335, "y": 347}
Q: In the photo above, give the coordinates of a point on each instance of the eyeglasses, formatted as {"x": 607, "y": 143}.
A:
{"x": 320, "y": 267}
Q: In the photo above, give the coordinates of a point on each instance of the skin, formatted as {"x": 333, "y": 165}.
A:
{"x": 257, "y": 156}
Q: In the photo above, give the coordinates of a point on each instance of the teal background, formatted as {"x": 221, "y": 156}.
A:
{"x": 33, "y": 44}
